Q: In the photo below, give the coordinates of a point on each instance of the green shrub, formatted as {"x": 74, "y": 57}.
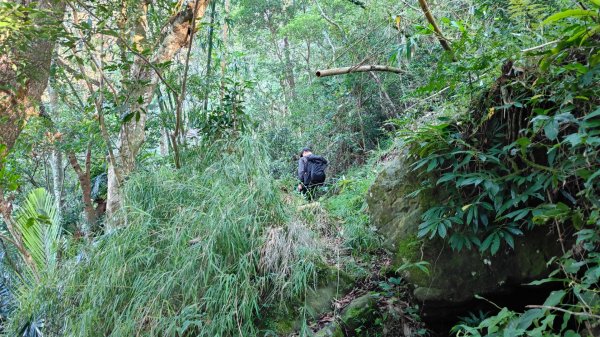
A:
{"x": 195, "y": 257}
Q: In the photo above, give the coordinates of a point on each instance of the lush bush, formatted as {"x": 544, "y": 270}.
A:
{"x": 527, "y": 154}
{"x": 196, "y": 256}
{"x": 347, "y": 205}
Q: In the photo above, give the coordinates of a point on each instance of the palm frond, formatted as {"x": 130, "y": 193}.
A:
{"x": 38, "y": 223}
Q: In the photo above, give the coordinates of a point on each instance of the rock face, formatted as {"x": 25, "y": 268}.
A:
{"x": 455, "y": 277}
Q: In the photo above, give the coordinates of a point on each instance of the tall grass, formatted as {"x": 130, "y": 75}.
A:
{"x": 195, "y": 259}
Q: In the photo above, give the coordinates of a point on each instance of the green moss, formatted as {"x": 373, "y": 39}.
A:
{"x": 361, "y": 312}
{"x": 408, "y": 250}
{"x": 285, "y": 326}
{"x": 531, "y": 262}
{"x": 283, "y": 320}
{"x": 332, "y": 330}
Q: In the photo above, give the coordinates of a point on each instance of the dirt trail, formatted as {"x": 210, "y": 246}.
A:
{"x": 393, "y": 314}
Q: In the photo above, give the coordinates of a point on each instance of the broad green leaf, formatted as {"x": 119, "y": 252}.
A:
{"x": 573, "y": 139}
{"x": 528, "y": 317}
{"x": 551, "y": 129}
{"x": 571, "y": 333}
{"x": 546, "y": 280}
{"x": 571, "y": 13}
{"x": 591, "y": 115}
{"x": 495, "y": 245}
{"x": 554, "y": 298}
{"x": 509, "y": 240}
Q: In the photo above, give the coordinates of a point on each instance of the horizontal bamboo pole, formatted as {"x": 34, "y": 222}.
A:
{"x": 347, "y": 70}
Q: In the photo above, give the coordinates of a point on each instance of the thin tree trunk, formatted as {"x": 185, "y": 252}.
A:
{"x": 225, "y": 38}
{"x": 357, "y": 69}
{"x": 436, "y": 28}
{"x": 384, "y": 97}
{"x": 289, "y": 66}
{"x": 209, "y": 54}
{"x": 83, "y": 175}
{"x": 132, "y": 136}
{"x": 181, "y": 96}
{"x": 328, "y": 19}
{"x": 283, "y": 77}
{"x": 58, "y": 177}
{"x": 56, "y": 157}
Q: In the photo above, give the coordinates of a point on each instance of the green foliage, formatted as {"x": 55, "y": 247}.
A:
{"x": 39, "y": 227}
{"x": 348, "y": 205}
{"x": 228, "y": 119}
{"x": 526, "y": 155}
{"x": 498, "y": 188}
{"x": 191, "y": 261}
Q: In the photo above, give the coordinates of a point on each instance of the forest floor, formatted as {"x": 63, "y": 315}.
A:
{"x": 392, "y": 313}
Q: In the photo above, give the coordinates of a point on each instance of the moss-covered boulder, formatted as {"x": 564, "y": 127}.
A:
{"x": 455, "y": 277}
{"x": 359, "y": 314}
{"x": 333, "y": 283}
{"x": 332, "y": 330}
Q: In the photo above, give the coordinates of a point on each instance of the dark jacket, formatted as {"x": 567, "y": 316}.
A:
{"x": 303, "y": 174}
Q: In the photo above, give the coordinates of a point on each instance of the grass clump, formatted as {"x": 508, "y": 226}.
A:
{"x": 198, "y": 256}
{"x": 348, "y": 206}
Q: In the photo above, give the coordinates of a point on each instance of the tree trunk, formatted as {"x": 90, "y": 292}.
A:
{"x": 283, "y": 78}
{"x": 357, "y": 69}
{"x": 23, "y": 79}
{"x": 211, "y": 30}
{"x": 289, "y": 67}
{"x": 58, "y": 178}
{"x": 86, "y": 185}
{"x": 443, "y": 41}
{"x": 384, "y": 98}
{"x": 225, "y": 49}
{"x": 132, "y": 136}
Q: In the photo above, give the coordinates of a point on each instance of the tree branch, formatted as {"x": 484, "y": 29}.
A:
{"x": 328, "y": 19}
{"x": 72, "y": 71}
{"x": 584, "y": 314}
{"x": 354, "y": 69}
{"x": 436, "y": 28}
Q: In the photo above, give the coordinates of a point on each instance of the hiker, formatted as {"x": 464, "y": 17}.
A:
{"x": 311, "y": 172}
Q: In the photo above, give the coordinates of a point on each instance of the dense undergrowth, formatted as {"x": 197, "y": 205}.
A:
{"x": 197, "y": 257}
{"x": 347, "y": 203}
{"x": 525, "y": 155}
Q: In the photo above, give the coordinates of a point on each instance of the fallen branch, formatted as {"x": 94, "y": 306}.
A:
{"x": 540, "y": 46}
{"x": 347, "y": 70}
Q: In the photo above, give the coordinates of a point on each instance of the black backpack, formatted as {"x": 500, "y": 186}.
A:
{"x": 316, "y": 166}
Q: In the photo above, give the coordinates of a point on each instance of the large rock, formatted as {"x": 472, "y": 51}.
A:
{"x": 455, "y": 277}
{"x": 333, "y": 283}
{"x": 358, "y": 315}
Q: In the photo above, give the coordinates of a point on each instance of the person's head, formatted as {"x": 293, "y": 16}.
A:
{"x": 305, "y": 152}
